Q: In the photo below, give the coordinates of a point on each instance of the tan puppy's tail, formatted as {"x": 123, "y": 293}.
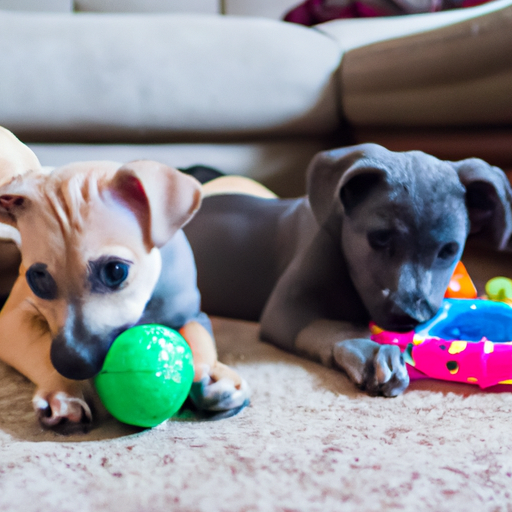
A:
{"x": 236, "y": 185}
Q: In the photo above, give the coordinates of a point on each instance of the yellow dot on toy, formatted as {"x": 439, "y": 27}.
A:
{"x": 375, "y": 329}
{"x": 417, "y": 340}
{"x": 472, "y": 379}
{"x": 457, "y": 347}
{"x": 488, "y": 347}
{"x": 452, "y": 367}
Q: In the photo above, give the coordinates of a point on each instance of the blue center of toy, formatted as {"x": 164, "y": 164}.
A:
{"x": 470, "y": 320}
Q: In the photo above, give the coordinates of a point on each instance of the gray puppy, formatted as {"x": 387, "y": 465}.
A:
{"x": 376, "y": 238}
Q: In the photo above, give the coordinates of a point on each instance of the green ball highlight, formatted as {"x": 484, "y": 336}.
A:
{"x": 146, "y": 376}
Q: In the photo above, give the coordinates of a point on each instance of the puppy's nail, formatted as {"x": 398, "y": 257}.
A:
{"x": 40, "y": 403}
{"x": 62, "y": 411}
{"x": 385, "y": 293}
{"x": 383, "y": 373}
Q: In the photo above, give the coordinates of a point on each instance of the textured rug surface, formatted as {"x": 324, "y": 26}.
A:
{"x": 307, "y": 442}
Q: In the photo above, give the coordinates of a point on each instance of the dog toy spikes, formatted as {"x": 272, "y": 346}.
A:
{"x": 499, "y": 289}
{"x": 147, "y": 375}
{"x": 461, "y": 286}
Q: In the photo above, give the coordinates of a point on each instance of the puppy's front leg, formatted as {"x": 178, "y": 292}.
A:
{"x": 299, "y": 316}
{"x": 25, "y": 345}
{"x": 216, "y": 387}
{"x": 376, "y": 369}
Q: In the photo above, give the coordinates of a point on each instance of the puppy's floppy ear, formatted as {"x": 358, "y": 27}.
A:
{"x": 10, "y": 207}
{"x": 15, "y": 199}
{"x": 488, "y": 200}
{"x": 337, "y": 180}
{"x": 163, "y": 199}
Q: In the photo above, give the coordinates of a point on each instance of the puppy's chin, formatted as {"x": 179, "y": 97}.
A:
{"x": 397, "y": 323}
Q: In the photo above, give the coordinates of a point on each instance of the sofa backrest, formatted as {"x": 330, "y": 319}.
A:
{"x": 131, "y": 77}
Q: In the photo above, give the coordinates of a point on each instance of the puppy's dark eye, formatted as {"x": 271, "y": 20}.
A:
{"x": 41, "y": 282}
{"x": 114, "y": 273}
{"x": 380, "y": 239}
{"x": 448, "y": 251}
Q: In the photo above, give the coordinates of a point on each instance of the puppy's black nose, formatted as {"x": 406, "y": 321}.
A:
{"x": 78, "y": 360}
{"x": 406, "y": 315}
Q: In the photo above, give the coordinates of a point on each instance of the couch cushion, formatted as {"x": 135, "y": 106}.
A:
{"x": 102, "y": 77}
{"x": 460, "y": 74}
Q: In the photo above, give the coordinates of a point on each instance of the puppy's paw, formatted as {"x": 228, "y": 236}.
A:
{"x": 386, "y": 373}
{"x": 376, "y": 369}
{"x": 61, "y": 412}
{"x": 220, "y": 390}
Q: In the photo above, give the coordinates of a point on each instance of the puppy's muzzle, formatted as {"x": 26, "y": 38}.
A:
{"x": 403, "y": 315}
{"x": 79, "y": 359}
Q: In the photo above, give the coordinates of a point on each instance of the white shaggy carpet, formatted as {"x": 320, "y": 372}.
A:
{"x": 307, "y": 442}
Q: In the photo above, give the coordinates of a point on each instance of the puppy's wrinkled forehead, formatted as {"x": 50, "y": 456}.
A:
{"x": 421, "y": 176}
{"x": 420, "y": 191}
{"x": 420, "y": 181}
{"x": 70, "y": 213}
{"x": 69, "y": 192}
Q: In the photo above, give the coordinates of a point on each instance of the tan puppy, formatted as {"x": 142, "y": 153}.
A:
{"x": 102, "y": 250}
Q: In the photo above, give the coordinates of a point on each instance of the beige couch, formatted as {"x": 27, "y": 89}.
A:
{"x": 244, "y": 91}
{"x": 225, "y": 83}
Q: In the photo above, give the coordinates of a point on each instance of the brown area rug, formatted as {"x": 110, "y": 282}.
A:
{"x": 308, "y": 442}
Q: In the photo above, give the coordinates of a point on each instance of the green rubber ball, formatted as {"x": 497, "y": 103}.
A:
{"x": 146, "y": 376}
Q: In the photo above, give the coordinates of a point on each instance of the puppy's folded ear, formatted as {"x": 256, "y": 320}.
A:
{"x": 10, "y": 207}
{"x": 488, "y": 200}
{"x": 15, "y": 199}
{"x": 163, "y": 199}
{"x": 339, "y": 179}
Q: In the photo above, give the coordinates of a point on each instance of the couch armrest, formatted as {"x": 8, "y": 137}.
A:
{"x": 460, "y": 74}
{"x": 358, "y": 32}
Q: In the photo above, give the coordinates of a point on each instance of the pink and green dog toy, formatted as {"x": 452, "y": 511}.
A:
{"x": 469, "y": 339}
